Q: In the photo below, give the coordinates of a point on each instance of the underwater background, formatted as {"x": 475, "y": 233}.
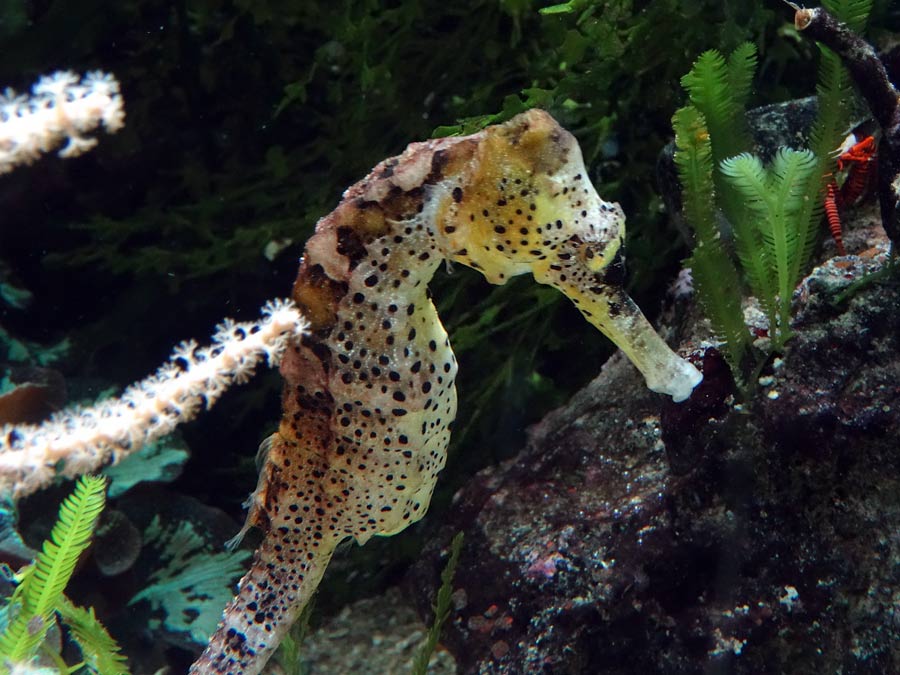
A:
{"x": 629, "y": 536}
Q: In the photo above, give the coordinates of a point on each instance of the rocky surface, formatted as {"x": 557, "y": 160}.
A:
{"x": 632, "y": 535}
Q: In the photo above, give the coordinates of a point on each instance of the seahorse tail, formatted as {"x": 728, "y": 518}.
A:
{"x": 270, "y": 597}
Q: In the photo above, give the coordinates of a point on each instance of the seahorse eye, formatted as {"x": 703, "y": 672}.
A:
{"x": 593, "y": 256}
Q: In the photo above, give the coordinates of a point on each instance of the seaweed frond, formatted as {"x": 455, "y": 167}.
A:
{"x": 441, "y": 608}
{"x": 715, "y": 276}
{"x": 40, "y": 591}
{"x": 719, "y": 89}
{"x": 776, "y": 198}
{"x": 741, "y": 69}
{"x": 854, "y": 13}
{"x": 98, "y": 648}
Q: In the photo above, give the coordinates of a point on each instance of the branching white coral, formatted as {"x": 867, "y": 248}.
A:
{"x": 83, "y": 439}
{"x": 61, "y": 108}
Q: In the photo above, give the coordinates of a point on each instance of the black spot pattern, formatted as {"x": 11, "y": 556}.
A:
{"x": 370, "y": 395}
{"x": 367, "y": 421}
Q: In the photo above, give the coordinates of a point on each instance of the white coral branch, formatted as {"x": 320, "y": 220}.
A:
{"x": 60, "y": 109}
{"x": 84, "y": 439}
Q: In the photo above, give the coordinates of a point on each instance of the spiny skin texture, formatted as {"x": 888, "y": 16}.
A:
{"x": 369, "y": 395}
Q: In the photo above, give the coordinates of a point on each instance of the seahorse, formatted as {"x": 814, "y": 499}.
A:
{"x": 369, "y": 394}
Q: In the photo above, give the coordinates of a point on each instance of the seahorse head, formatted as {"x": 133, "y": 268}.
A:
{"x": 524, "y": 203}
{"x": 527, "y": 203}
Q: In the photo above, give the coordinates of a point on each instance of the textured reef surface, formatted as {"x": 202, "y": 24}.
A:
{"x": 706, "y": 538}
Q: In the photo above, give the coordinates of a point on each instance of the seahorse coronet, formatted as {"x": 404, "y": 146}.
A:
{"x": 369, "y": 393}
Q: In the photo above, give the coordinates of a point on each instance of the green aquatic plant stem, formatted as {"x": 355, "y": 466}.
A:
{"x": 715, "y": 276}
{"x": 40, "y": 592}
{"x": 98, "y": 648}
{"x": 718, "y": 88}
{"x": 441, "y": 608}
{"x": 774, "y": 197}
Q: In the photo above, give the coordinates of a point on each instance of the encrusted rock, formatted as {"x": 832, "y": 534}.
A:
{"x": 117, "y": 543}
{"x": 773, "y": 548}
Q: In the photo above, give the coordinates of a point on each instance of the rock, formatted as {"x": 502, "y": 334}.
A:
{"x": 117, "y": 543}
{"x": 772, "y": 547}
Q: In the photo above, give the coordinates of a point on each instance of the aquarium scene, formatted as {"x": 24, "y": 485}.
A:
{"x": 406, "y": 337}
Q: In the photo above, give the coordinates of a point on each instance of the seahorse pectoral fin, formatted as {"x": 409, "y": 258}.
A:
{"x": 609, "y": 308}
{"x": 255, "y": 503}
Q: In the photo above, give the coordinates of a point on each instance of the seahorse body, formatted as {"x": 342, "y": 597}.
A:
{"x": 369, "y": 395}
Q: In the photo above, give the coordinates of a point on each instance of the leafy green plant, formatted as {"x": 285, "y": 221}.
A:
{"x": 39, "y": 595}
{"x": 771, "y": 214}
{"x": 775, "y": 198}
{"x": 441, "y": 608}
{"x": 715, "y": 275}
{"x": 98, "y": 648}
{"x": 708, "y": 131}
{"x": 290, "y": 652}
